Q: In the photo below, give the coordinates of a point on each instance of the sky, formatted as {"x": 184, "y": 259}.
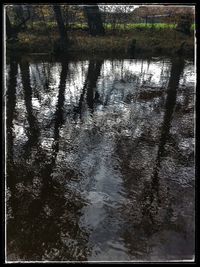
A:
{"x": 113, "y": 8}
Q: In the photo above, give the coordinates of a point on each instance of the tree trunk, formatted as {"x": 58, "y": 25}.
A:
{"x": 61, "y": 27}
{"x": 12, "y": 31}
{"x": 9, "y": 29}
{"x": 94, "y": 20}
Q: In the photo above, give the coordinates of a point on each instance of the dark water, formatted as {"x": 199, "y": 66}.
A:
{"x": 100, "y": 160}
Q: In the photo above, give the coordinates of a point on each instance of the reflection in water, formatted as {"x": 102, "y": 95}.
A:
{"x": 11, "y": 102}
{"x": 153, "y": 189}
{"x": 93, "y": 73}
{"x": 97, "y": 159}
{"x": 59, "y": 108}
{"x": 45, "y": 225}
{"x": 89, "y": 87}
{"x": 33, "y": 131}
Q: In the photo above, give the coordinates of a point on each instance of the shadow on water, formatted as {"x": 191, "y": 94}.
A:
{"x": 99, "y": 189}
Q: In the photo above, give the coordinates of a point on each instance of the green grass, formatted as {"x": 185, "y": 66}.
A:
{"x": 131, "y": 26}
{"x": 38, "y": 26}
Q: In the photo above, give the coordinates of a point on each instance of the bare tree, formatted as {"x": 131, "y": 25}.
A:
{"x": 13, "y": 30}
{"x": 63, "y": 34}
{"x": 94, "y": 20}
{"x": 9, "y": 28}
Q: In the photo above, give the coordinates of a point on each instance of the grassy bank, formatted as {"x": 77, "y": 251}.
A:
{"x": 155, "y": 40}
{"x": 37, "y": 26}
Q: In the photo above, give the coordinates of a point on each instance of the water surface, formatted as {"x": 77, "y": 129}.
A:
{"x": 100, "y": 159}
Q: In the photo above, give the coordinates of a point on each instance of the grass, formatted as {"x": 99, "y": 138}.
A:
{"x": 39, "y": 26}
{"x": 131, "y": 26}
{"x": 160, "y": 39}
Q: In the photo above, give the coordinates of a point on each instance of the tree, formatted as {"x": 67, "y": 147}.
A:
{"x": 94, "y": 20}
{"x": 61, "y": 27}
{"x": 13, "y": 30}
{"x": 184, "y": 24}
{"x": 9, "y": 28}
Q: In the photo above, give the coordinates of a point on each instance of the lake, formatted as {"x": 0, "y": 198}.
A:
{"x": 100, "y": 159}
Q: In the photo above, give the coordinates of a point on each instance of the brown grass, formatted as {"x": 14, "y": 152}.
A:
{"x": 165, "y": 41}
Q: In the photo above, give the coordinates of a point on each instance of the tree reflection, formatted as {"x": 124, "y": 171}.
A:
{"x": 153, "y": 189}
{"x": 92, "y": 96}
{"x": 33, "y": 131}
{"x": 68, "y": 183}
{"x": 11, "y": 103}
{"x": 44, "y": 222}
{"x": 10, "y": 112}
{"x": 150, "y": 202}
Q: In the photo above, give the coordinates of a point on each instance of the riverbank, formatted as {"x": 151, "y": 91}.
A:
{"x": 155, "y": 41}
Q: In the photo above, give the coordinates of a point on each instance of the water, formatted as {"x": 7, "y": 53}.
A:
{"x": 100, "y": 159}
